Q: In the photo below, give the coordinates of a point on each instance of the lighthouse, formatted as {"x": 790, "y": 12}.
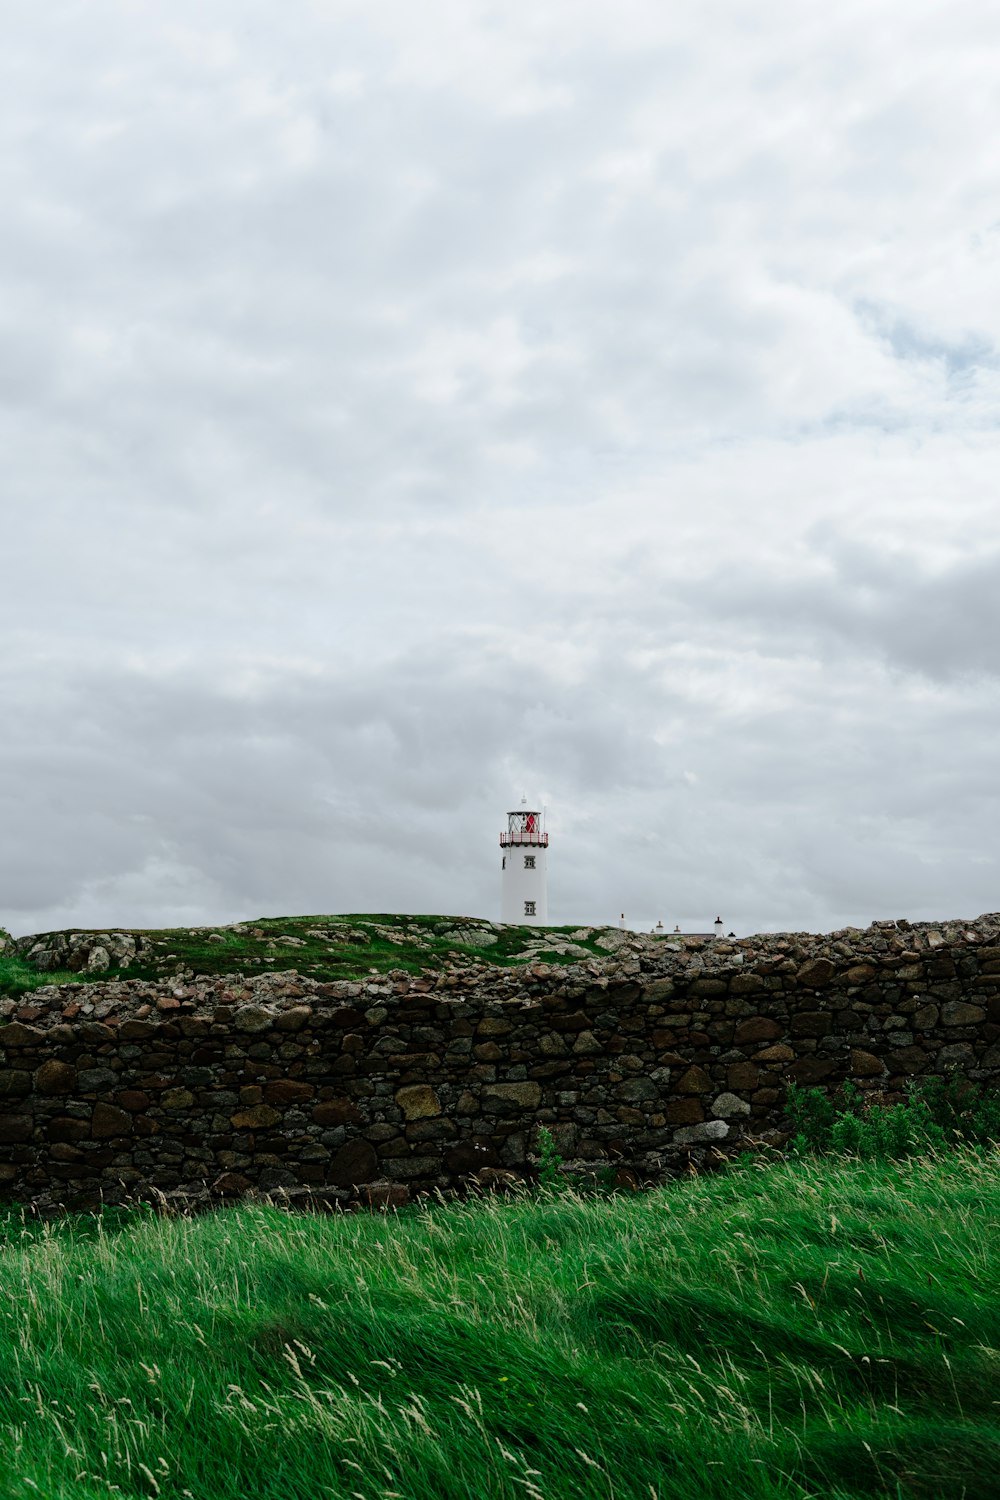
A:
{"x": 523, "y": 884}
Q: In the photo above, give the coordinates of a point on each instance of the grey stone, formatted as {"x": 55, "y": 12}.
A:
{"x": 93, "y": 1080}
{"x": 253, "y": 1018}
{"x": 729, "y": 1104}
{"x": 693, "y": 1135}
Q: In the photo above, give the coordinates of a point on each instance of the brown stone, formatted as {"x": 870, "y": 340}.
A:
{"x": 288, "y": 1091}
{"x": 960, "y": 1013}
{"x": 253, "y": 1019}
{"x": 861, "y": 974}
{"x": 16, "y": 1035}
{"x": 337, "y": 1112}
{"x": 756, "y": 1029}
{"x": 707, "y": 989}
{"x": 745, "y": 984}
{"x": 66, "y": 1128}
{"x": 493, "y": 1026}
{"x": 908, "y": 1060}
{"x": 810, "y": 1069}
{"x": 55, "y": 1078}
{"x": 136, "y": 1031}
{"x": 132, "y": 1100}
{"x": 587, "y": 1045}
{"x": 781, "y": 1053}
{"x": 574, "y": 1020}
{"x": 694, "y": 1081}
{"x": 468, "y": 1157}
{"x": 15, "y": 1128}
{"x": 396, "y": 1147}
{"x": 514, "y": 1095}
{"x": 231, "y": 1185}
{"x": 14, "y": 1082}
{"x": 294, "y": 1019}
{"x": 498, "y": 1180}
{"x": 63, "y": 1151}
{"x": 381, "y": 1197}
{"x": 345, "y": 1018}
{"x": 811, "y": 1023}
{"x": 419, "y": 1101}
{"x": 657, "y": 989}
{"x": 108, "y": 1121}
{"x": 180, "y": 1100}
{"x": 258, "y": 1117}
{"x": 355, "y": 1163}
{"x": 866, "y": 1064}
{"x": 816, "y": 973}
{"x": 742, "y": 1076}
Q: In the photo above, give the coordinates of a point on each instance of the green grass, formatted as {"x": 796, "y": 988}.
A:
{"x": 323, "y": 948}
{"x": 20, "y": 978}
{"x": 813, "y": 1328}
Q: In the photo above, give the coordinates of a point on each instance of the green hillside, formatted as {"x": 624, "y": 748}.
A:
{"x": 322, "y": 947}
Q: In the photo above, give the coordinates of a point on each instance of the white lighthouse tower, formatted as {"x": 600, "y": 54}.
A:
{"x": 523, "y": 878}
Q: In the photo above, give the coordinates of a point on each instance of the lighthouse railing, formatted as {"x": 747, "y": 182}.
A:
{"x": 536, "y": 839}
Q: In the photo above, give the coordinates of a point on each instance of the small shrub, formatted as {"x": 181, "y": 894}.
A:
{"x": 811, "y": 1115}
{"x": 550, "y": 1177}
{"x": 936, "y": 1113}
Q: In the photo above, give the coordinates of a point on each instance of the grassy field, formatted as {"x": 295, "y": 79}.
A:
{"x": 324, "y": 948}
{"x": 813, "y": 1328}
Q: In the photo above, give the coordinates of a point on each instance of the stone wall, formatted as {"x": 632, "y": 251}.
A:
{"x": 663, "y": 1053}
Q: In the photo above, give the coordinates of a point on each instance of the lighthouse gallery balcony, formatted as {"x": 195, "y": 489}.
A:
{"x": 521, "y": 836}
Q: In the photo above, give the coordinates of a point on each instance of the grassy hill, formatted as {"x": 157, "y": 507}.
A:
{"x": 323, "y": 947}
{"x": 810, "y": 1329}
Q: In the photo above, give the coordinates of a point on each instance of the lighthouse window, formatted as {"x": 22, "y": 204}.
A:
{"x": 529, "y": 861}
{"x": 529, "y": 908}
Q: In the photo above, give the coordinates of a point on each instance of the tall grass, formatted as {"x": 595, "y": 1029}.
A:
{"x": 814, "y": 1328}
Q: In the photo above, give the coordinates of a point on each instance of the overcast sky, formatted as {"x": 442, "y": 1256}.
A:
{"x": 407, "y": 406}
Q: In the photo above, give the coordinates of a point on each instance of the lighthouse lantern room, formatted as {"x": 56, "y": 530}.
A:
{"x": 523, "y": 878}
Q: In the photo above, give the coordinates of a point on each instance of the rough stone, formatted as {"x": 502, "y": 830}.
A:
{"x": 816, "y": 973}
{"x": 354, "y": 1163}
{"x": 780, "y": 1053}
{"x": 694, "y": 1081}
{"x": 710, "y": 1130}
{"x": 587, "y": 1045}
{"x": 253, "y": 1019}
{"x": 961, "y": 1013}
{"x": 866, "y": 1064}
{"x": 257, "y": 1117}
{"x": 757, "y": 1029}
{"x": 55, "y": 1077}
{"x": 514, "y": 1095}
{"x": 418, "y": 1102}
{"x": 728, "y": 1105}
{"x": 108, "y": 1120}
{"x": 469, "y": 1157}
{"x": 337, "y": 1112}
{"x": 282, "y": 1091}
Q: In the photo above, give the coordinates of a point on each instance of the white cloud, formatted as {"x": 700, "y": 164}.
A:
{"x": 403, "y": 406}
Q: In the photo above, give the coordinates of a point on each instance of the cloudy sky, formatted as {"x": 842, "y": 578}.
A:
{"x": 406, "y": 406}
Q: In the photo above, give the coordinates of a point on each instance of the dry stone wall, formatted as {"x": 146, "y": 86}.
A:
{"x": 661, "y": 1055}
